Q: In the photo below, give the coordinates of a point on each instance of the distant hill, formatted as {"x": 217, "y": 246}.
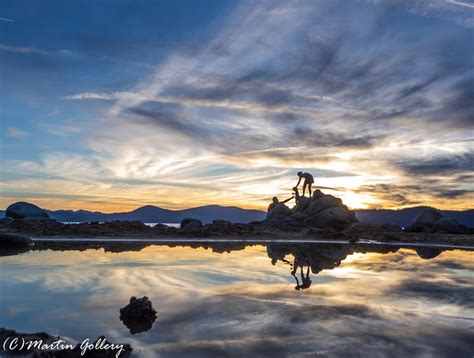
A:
{"x": 152, "y": 214}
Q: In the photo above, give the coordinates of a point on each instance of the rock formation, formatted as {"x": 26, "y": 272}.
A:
{"x": 431, "y": 220}
{"x": 22, "y": 210}
{"x": 138, "y": 315}
{"x": 190, "y": 223}
{"x": 321, "y": 211}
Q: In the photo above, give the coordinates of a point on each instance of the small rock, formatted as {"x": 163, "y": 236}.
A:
{"x": 138, "y": 315}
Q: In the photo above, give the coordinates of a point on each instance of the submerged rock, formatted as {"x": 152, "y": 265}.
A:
{"x": 23, "y": 210}
{"x": 138, "y": 315}
{"x": 190, "y": 223}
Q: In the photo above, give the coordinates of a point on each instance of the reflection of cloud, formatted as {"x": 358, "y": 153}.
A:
{"x": 239, "y": 304}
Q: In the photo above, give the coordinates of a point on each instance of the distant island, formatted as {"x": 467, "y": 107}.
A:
{"x": 208, "y": 213}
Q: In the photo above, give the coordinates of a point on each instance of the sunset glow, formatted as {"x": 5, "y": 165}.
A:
{"x": 181, "y": 107}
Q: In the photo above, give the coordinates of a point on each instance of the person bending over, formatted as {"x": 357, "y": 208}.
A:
{"x": 308, "y": 181}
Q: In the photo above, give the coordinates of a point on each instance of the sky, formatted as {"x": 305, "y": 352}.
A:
{"x": 111, "y": 105}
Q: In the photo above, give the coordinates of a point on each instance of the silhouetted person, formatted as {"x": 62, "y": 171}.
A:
{"x": 276, "y": 202}
{"x": 296, "y": 195}
{"x": 305, "y": 280}
{"x": 308, "y": 181}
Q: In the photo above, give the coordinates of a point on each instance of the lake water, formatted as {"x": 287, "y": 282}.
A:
{"x": 275, "y": 300}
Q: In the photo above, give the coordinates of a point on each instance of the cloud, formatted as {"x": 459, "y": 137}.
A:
{"x": 445, "y": 165}
{"x": 13, "y": 132}
{"x": 355, "y": 92}
{"x": 6, "y": 19}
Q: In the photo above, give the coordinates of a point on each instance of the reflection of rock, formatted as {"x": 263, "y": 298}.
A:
{"x": 100, "y": 348}
{"x": 12, "y": 244}
{"x": 317, "y": 257}
{"x": 138, "y": 315}
{"x": 13, "y": 240}
{"x": 320, "y": 211}
{"x": 22, "y": 210}
{"x": 431, "y": 220}
{"x": 190, "y": 224}
{"x": 427, "y": 252}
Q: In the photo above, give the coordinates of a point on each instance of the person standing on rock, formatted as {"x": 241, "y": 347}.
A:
{"x": 308, "y": 181}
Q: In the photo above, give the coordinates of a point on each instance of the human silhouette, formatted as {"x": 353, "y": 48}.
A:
{"x": 308, "y": 181}
{"x": 305, "y": 279}
{"x": 296, "y": 195}
{"x": 275, "y": 202}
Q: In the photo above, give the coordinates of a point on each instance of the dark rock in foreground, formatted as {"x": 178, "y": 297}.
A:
{"x": 138, "y": 315}
{"x": 23, "y": 210}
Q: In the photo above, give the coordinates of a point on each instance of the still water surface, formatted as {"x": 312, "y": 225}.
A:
{"x": 275, "y": 300}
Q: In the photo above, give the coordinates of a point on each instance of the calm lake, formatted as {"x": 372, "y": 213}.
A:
{"x": 275, "y": 300}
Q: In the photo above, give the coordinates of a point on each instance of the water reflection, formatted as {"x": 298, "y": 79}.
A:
{"x": 232, "y": 299}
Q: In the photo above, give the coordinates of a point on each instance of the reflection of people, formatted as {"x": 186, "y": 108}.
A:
{"x": 305, "y": 280}
{"x": 308, "y": 181}
{"x": 276, "y": 202}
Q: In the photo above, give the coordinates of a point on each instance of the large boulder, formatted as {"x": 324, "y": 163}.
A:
{"x": 319, "y": 210}
{"x": 334, "y": 216}
{"x": 431, "y": 220}
{"x": 279, "y": 211}
{"x": 425, "y": 220}
{"x": 325, "y": 202}
{"x": 303, "y": 203}
{"x": 190, "y": 224}
{"x": 447, "y": 225}
{"x": 23, "y": 210}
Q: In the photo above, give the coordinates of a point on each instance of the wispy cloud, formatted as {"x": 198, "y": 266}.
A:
{"x": 6, "y": 19}
{"x": 354, "y": 92}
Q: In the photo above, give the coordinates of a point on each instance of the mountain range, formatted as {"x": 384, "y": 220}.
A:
{"x": 153, "y": 214}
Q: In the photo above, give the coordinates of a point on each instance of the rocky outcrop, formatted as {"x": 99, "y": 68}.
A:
{"x": 23, "y": 210}
{"x": 431, "y": 220}
{"x": 190, "y": 223}
{"x": 138, "y": 315}
{"x": 320, "y": 211}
